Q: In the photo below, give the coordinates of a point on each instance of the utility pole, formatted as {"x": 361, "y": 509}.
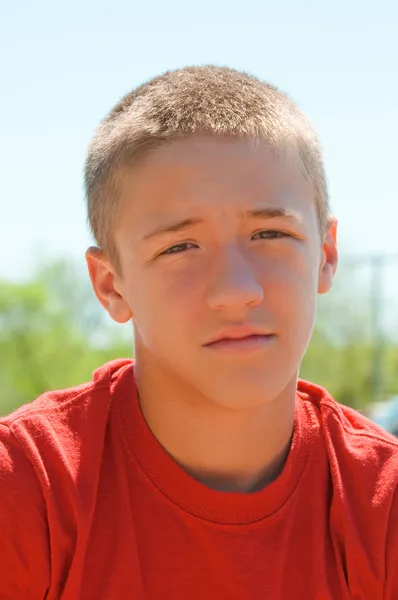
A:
{"x": 377, "y": 265}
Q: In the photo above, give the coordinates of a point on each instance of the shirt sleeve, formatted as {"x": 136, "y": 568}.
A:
{"x": 24, "y": 543}
{"x": 391, "y": 587}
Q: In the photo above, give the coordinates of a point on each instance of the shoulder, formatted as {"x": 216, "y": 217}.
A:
{"x": 362, "y": 457}
{"x": 59, "y": 421}
{"x": 363, "y": 475}
{"x": 77, "y": 400}
{"x": 350, "y": 433}
{"x": 50, "y": 456}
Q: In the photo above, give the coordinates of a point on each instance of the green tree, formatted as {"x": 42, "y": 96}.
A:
{"x": 340, "y": 355}
{"x": 50, "y": 335}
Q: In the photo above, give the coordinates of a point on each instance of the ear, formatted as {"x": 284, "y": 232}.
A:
{"x": 107, "y": 285}
{"x": 329, "y": 257}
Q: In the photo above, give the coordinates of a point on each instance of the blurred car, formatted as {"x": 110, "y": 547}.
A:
{"x": 385, "y": 414}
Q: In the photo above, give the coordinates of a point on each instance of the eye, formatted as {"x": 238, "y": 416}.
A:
{"x": 269, "y": 234}
{"x": 178, "y": 248}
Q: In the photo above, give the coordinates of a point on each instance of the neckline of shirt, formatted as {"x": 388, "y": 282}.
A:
{"x": 191, "y": 495}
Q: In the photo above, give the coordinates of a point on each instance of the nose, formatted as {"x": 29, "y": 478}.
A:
{"x": 233, "y": 283}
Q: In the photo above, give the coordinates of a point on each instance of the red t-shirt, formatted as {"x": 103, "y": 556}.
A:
{"x": 93, "y": 508}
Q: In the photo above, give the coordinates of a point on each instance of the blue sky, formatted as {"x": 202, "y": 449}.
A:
{"x": 62, "y": 67}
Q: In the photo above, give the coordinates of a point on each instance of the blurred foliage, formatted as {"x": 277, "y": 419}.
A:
{"x": 341, "y": 355}
{"x": 54, "y": 333}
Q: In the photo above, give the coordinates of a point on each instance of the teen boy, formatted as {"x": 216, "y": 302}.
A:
{"x": 205, "y": 470}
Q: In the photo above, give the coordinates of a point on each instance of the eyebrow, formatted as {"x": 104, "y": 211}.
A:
{"x": 259, "y": 213}
{"x": 172, "y": 227}
{"x": 271, "y": 213}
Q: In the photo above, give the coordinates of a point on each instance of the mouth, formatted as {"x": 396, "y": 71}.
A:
{"x": 240, "y": 340}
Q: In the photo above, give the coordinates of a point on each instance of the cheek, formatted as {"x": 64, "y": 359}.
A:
{"x": 290, "y": 288}
{"x": 166, "y": 302}
{"x": 181, "y": 290}
{"x": 290, "y": 270}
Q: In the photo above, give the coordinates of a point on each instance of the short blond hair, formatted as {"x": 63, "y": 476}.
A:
{"x": 213, "y": 99}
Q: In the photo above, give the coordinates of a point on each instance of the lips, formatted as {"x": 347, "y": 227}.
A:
{"x": 239, "y": 335}
{"x": 241, "y": 346}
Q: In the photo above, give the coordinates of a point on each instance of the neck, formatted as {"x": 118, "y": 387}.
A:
{"x": 227, "y": 450}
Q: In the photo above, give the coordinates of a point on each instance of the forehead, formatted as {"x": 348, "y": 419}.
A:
{"x": 212, "y": 175}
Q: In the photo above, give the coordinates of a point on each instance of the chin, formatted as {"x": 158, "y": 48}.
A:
{"x": 242, "y": 393}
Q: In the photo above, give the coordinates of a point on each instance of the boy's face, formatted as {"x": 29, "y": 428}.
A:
{"x": 218, "y": 240}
